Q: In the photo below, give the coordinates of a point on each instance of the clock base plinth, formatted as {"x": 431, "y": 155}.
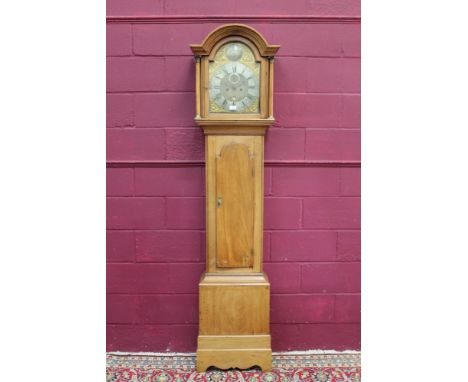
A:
{"x": 227, "y": 352}
{"x": 234, "y": 327}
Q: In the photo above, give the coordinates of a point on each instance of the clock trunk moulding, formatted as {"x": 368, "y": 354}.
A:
{"x": 234, "y": 107}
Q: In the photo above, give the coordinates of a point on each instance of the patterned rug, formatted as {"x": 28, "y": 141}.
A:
{"x": 294, "y": 367}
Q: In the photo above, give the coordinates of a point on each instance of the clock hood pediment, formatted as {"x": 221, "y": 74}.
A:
{"x": 229, "y": 30}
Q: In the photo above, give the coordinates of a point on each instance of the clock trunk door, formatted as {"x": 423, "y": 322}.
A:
{"x": 235, "y": 207}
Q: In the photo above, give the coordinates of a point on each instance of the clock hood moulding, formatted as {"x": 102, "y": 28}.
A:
{"x": 204, "y": 49}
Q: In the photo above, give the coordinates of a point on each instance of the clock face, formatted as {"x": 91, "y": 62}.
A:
{"x": 234, "y": 80}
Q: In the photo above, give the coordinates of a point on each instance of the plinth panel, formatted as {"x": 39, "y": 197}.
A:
{"x": 234, "y": 309}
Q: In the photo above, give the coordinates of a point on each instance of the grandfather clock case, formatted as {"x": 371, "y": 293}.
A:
{"x": 234, "y": 107}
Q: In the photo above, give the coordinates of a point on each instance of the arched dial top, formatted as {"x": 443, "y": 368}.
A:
{"x": 264, "y": 49}
{"x": 234, "y": 80}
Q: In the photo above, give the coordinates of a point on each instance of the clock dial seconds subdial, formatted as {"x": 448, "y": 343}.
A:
{"x": 233, "y": 87}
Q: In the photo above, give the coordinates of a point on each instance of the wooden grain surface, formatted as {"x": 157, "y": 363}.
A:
{"x": 234, "y": 309}
{"x": 234, "y": 203}
{"x": 235, "y": 206}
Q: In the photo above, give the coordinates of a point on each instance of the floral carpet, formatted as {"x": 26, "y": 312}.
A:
{"x": 294, "y": 367}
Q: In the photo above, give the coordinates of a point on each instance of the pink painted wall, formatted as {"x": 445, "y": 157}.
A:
{"x": 155, "y": 174}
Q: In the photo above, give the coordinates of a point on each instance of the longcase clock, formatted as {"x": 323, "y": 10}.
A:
{"x": 234, "y": 107}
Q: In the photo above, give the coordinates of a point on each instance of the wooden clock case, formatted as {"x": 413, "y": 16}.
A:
{"x": 234, "y": 299}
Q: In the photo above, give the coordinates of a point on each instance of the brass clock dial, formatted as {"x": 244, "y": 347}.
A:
{"x": 234, "y": 80}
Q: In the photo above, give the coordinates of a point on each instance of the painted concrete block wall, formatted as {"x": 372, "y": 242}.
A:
{"x": 155, "y": 174}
